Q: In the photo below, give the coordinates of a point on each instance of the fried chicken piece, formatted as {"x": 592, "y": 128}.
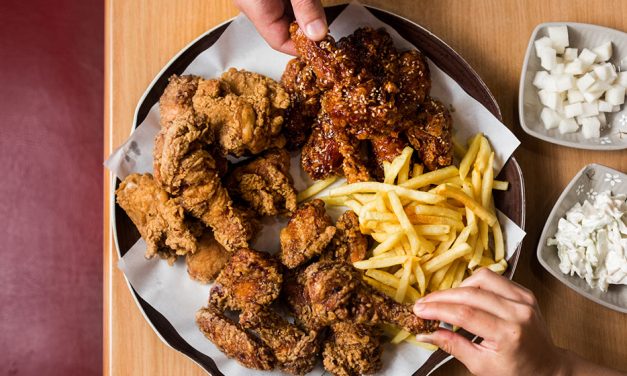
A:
{"x": 245, "y": 110}
{"x": 251, "y": 279}
{"x": 386, "y": 148}
{"x": 336, "y": 293}
{"x": 301, "y": 83}
{"x": 265, "y": 183}
{"x": 352, "y": 350}
{"x": 306, "y": 235}
{"x": 349, "y": 244}
{"x": 431, "y": 135}
{"x": 320, "y": 157}
{"x": 210, "y": 257}
{"x": 296, "y": 351}
{"x": 233, "y": 340}
{"x": 293, "y": 294}
{"x": 159, "y": 219}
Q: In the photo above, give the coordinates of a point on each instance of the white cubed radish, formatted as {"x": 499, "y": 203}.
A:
{"x": 559, "y": 37}
{"x": 575, "y": 96}
{"x": 564, "y": 82}
{"x": 572, "y": 110}
{"x": 589, "y": 109}
{"x": 603, "y": 52}
{"x": 592, "y": 96}
{"x": 604, "y": 72}
{"x": 587, "y": 57}
{"x": 599, "y": 86}
{"x": 540, "y": 79}
{"x": 568, "y": 126}
{"x": 570, "y": 54}
{"x": 604, "y": 106}
{"x": 558, "y": 68}
{"x": 550, "y": 99}
{"x": 550, "y": 118}
{"x": 550, "y": 84}
{"x": 540, "y": 43}
{"x": 602, "y": 119}
{"x": 574, "y": 67}
{"x": 621, "y": 79}
{"x": 615, "y": 95}
{"x": 548, "y": 58}
{"x": 615, "y": 108}
{"x": 591, "y": 127}
{"x": 586, "y": 81}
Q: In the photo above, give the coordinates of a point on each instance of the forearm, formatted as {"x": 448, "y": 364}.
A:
{"x": 574, "y": 365}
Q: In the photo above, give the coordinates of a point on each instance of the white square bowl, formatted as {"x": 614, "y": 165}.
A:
{"x": 590, "y": 181}
{"x": 529, "y": 106}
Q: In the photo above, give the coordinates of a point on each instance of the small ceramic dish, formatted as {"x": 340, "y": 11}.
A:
{"x": 590, "y": 181}
{"x": 529, "y": 106}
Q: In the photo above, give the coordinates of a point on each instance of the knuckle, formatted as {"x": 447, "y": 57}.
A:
{"x": 465, "y": 313}
{"x": 526, "y": 313}
{"x": 529, "y": 297}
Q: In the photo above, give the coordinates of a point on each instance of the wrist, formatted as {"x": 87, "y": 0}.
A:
{"x": 565, "y": 363}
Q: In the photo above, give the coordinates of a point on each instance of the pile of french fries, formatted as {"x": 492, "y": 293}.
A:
{"x": 431, "y": 230}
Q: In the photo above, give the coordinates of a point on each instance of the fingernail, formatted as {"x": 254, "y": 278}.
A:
{"x": 423, "y": 338}
{"x": 316, "y": 29}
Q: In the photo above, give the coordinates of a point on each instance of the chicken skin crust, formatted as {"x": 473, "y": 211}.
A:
{"x": 208, "y": 260}
{"x": 431, "y": 135}
{"x": 352, "y": 350}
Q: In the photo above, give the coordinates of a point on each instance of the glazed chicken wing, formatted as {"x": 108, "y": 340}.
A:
{"x": 306, "y": 235}
{"x": 265, "y": 183}
{"x": 431, "y": 135}
{"x": 352, "y": 350}
{"x": 159, "y": 219}
{"x": 320, "y": 156}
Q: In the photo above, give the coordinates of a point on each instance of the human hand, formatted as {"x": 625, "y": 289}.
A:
{"x": 505, "y": 314}
{"x": 272, "y": 19}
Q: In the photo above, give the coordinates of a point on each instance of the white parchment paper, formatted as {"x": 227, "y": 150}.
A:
{"x": 169, "y": 289}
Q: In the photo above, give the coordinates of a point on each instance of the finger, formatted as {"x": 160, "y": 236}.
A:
{"x": 454, "y": 344}
{"x": 474, "y": 297}
{"x": 310, "y": 17}
{"x": 271, "y": 21}
{"x": 486, "y": 279}
{"x": 475, "y": 320}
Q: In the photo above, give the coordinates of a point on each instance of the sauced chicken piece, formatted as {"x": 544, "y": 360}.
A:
{"x": 251, "y": 279}
{"x": 352, "y": 350}
{"x": 336, "y": 293}
{"x": 159, "y": 219}
{"x": 306, "y": 235}
{"x": 296, "y": 351}
{"x": 245, "y": 110}
{"x": 348, "y": 244}
{"x": 265, "y": 183}
{"x": 385, "y": 149}
{"x": 233, "y": 340}
{"x": 320, "y": 157}
{"x": 431, "y": 135}
{"x": 210, "y": 257}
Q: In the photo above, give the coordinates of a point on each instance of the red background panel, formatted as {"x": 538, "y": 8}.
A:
{"x": 51, "y": 106}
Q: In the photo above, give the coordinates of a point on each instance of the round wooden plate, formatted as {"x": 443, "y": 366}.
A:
{"x": 511, "y": 202}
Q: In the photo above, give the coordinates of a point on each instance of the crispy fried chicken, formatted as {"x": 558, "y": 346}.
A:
{"x": 210, "y": 257}
{"x": 159, "y": 219}
{"x": 352, "y": 350}
{"x": 264, "y": 183}
{"x": 306, "y": 235}
{"x": 348, "y": 244}
{"x": 431, "y": 135}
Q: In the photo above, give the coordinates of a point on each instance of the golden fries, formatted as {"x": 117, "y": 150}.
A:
{"x": 315, "y": 188}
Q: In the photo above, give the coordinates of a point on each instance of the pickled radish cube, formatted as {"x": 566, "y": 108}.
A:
{"x": 602, "y": 119}
{"x": 572, "y": 110}
{"x": 559, "y": 37}
{"x": 615, "y": 95}
{"x": 550, "y": 99}
{"x": 558, "y": 68}
{"x": 574, "y": 67}
{"x": 564, "y": 82}
{"x": 615, "y": 108}
{"x": 575, "y": 96}
{"x": 591, "y": 96}
{"x": 589, "y": 109}
{"x": 568, "y": 126}
{"x": 599, "y": 86}
{"x": 586, "y": 81}
{"x": 591, "y": 127}
{"x": 587, "y": 57}
{"x": 540, "y": 43}
{"x": 621, "y": 79}
{"x": 570, "y": 54}
{"x": 548, "y": 58}
{"x": 550, "y": 118}
{"x": 541, "y": 79}
{"x": 604, "y": 72}
{"x": 603, "y": 52}
{"x": 604, "y": 106}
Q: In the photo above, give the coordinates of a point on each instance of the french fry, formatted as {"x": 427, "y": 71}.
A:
{"x": 417, "y": 169}
{"x": 499, "y": 246}
{"x": 397, "y": 164}
{"x": 383, "y": 277}
{"x": 447, "y": 257}
{"x": 459, "y": 149}
{"x": 387, "y": 290}
{"x": 476, "y": 184}
{"x": 488, "y": 180}
{"x": 404, "y": 221}
{"x": 432, "y": 229}
{"x": 463, "y": 236}
{"x": 500, "y": 185}
{"x": 447, "y": 281}
{"x": 425, "y": 197}
{"x": 401, "y": 291}
{"x": 378, "y": 216}
{"x": 420, "y": 279}
{"x": 476, "y": 256}
{"x": 353, "y": 205}
{"x": 437, "y": 211}
{"x": 436, "y": 278}
{"x": 315, "y": 188}
{"x": 459, "y": 273}
{"x": 387, "y": 244}
{"x": 333, "y": 201}
{"x": 498, "y": 267}
{"x": 432, "y": 177}
{"x": 469, "y": 157}
{"x": 483, "y": 233}
{"x": 426, "y": 346}
{"x": 433, "y": 220}
{"x": 380, "y": 202}
{"x": 399, "y": 273}
{"x": 400, "y": 336}
{"x": 377, "y": 263}
{"x": 482, "y": 155}
{"x": 403, "y": 174}
{"x": 363, "y": 198}
{"x": 469, "y": 202}
{"x": 455, "y": 180}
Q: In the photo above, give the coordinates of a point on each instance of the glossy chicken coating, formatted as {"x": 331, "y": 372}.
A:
{"x": 431, "y": 135}
{"x": 352, "y": 350}
{"x": 264, "y": 183}
{"x": 385, "y": 149}
{"x": 306, "y": 235}
{"x": 320, "y": 156}
{"x": 250, "y": 280}
{"x": 233, "y": 340}
{"x": 296, "y": 351}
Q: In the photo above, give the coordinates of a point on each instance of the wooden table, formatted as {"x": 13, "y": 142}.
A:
{"x": 142, "y": 35}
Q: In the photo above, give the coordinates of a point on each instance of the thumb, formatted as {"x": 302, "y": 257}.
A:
{"x": 456, "y": 345}
{"x": 310, "y": 17}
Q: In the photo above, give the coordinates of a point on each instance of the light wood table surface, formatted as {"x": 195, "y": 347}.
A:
{"x": 142, "y": 36}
